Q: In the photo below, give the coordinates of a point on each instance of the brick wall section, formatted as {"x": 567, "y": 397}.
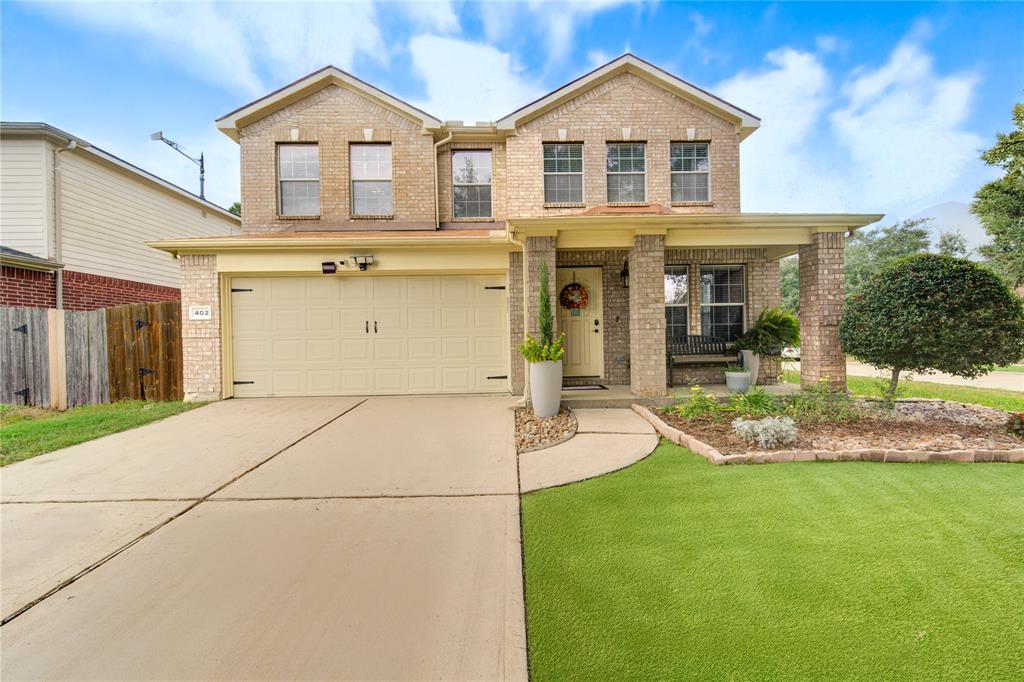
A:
{"x": 822, "y": 291}
{"x": 537, "y": 250}
{"x": 647, "y": 315}
{"x": 27, "y": 288}
{"x": 335, "y": 117}
{"x": 517, "y": 376}
{"x": 654, "y": 116}
{"x": 83, "y": 291}
{"x": 615, "y": 309}
{"x": 499, "y": 181}
{"x": 201, "y": 339}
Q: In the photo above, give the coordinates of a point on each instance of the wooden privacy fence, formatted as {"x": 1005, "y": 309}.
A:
{"x": 58, "y": 358}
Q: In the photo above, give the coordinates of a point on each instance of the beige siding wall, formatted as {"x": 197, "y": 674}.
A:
{"x": 597, "y": 116}
{"x": 25, "y": 200}
{"x": 108, "y": 214}
{"x": 334, "y": 118}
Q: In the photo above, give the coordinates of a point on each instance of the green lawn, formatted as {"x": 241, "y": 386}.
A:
{"x": 28, "y": 431}
{"x": 1011, "y": 368}
{"x": 676, "y": 569}
{"x": 1011, "y": 401}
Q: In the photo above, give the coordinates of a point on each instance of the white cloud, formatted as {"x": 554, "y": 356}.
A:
{"x": 438, "y": 17}
{"x": 702, "y": 26}
{"x": 890, "y": 138}
{"x": 596, "y": 58}
{"x": 489, "y": 84}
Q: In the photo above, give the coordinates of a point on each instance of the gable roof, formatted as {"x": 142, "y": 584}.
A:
{"x": 629, "y": 63}
{"x": 307, "y": 85}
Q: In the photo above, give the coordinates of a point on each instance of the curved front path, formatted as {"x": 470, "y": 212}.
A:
{"x": 606, "y": 440}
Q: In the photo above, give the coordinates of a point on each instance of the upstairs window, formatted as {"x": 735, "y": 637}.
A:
{"x": 688, "y": 163}
{"x": 370, "y": 165}
{"x": 298, "y": 174}
{"x": 677, "y": 297}
{"x": 722, "y": 298}
{"x": 563, "y": 173}
{"x": 471, "y": 184}
{"x": 626, "y": 166}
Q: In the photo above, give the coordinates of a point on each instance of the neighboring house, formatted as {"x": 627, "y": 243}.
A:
{"x": 74, "y": 221}
{"x": 384, "y": 251}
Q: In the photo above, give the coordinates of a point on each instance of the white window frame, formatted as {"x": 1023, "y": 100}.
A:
{"x": 581, "y": 173}
{"x": 490, "y": 154}
{"x": 693, "y": 172}
{"x": 686, "y": 303}
{"x": 281, "y": 181}
{"x": 742, "y": 305}
{"x": 607, "y": 173}
{"x": 353, "y": 181}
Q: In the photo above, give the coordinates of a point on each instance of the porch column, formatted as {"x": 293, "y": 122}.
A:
{"x": 822, "y": 294}
{"x": 200, "y": 339}
{"x": 647, "y": 315}
{"x": 536, "y": 250}
{"x": 517, "y": 366}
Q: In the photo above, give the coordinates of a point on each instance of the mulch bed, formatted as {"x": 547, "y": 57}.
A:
{"x": 919, "y": 425}
{"x": 534, "y": 433}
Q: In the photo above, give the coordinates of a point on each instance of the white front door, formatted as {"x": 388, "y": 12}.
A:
{"x": 578, "y": 294}
{"x": 369, "y": 335}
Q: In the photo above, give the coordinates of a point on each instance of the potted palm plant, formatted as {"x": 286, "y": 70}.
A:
{"x": 545, "y": 356}
{"x": 775, "y": 327}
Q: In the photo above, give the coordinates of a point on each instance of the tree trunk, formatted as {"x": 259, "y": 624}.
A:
{"x": 890, "y": 393}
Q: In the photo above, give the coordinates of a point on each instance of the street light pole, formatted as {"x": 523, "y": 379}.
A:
{"x": 201, "y": 162}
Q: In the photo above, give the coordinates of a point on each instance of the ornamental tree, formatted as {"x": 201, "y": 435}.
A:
{"x": 930, "y": 313}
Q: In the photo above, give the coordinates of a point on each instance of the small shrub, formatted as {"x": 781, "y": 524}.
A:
{"x": 535, "y": 351}
{"x": 697, "y": 405}
{"x": 735, "y": 367}
{"x": 821, "y": 404}
{"x": 767, "y": 433}
{"x": 1015, "y": 425}
{"x": 754, "y": 404}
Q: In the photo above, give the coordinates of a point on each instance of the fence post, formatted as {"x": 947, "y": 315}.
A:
{"x": 57, "y": 359}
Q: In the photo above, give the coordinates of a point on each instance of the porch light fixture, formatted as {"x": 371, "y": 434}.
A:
{"x": 624, "y": 274}
{"x": 329, "y": 267}
{"x": 363, "y": 262}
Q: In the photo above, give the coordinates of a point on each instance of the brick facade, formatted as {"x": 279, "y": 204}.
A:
{"x": 201, "y": 339}
{"x": 822, "y": 296}
{"x": 81, "y": 291}
{"x": 647, "y": 315}
{"x": 27, "y": 288}
{"x": 499, "y": 181}
{"x": 517, "y": 366}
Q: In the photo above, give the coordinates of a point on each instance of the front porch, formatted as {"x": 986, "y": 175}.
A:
{"x": 642, "y": 291}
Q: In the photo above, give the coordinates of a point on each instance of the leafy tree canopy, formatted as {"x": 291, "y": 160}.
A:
{"x": 999, "y": 204}
{"x": 236, "y": 208}
{"x": 934, "y": 313}
{"x": 869, "y": 251}
{"x": 952, "y": 244}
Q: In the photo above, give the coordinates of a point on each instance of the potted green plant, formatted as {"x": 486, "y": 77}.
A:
{"x": 775, "y": 327}
{"x": 737, "y": 379}
{"x": 545, "y": 357}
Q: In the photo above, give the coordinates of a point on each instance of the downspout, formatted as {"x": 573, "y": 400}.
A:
{"x": 437, "y": 187}
{"x": 58, "y": 235}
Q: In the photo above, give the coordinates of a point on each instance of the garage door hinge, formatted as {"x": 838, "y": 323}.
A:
{"x": 496, "y": 288}
{"x": 235, "y": 291}
{"x": 237, "y": 383}
{"x": 499, "y": 376}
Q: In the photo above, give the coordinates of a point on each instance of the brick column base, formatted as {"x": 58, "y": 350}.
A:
{"x": 822, "y": 294}
{"x": 201, "y": 339}
{"x": 647, "y": 373}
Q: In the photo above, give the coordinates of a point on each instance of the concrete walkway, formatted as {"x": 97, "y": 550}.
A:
{"x": 1009, "y": 381}
{"x": 271, "y": 539}
{"x": 606, "y": 440}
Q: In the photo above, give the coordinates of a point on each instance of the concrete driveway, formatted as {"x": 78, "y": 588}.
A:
{"x": 270, "y": 539}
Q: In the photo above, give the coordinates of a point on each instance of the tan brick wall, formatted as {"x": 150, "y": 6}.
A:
{"x": 517, "y": 377}
{"x": 822, "y": 294}
{"x": 537, "y": 250}
{"x": 499, "y": 181}
{"x": 334, "y": 118}
{"x": 615, "y": 308}
{"x": 647, "y": 315}
{"x": 201, "y": 339}
{"x": 654, "y": 116}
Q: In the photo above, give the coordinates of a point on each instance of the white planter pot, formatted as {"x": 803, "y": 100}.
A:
{"x": 546, "y": 387}
{"x": 737, "y": 382}
{"x": 751, "y": 361}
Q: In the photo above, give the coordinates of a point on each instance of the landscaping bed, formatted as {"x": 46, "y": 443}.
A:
{"x": 536, "y": 433}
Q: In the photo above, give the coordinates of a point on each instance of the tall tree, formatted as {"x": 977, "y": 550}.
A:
{"x": 999, "y": 204}
{"x": 869, "y": 251}
{"x": 952, "y": 244}
{"x": 789, "y": 273}
{"x": 236, "y": 208}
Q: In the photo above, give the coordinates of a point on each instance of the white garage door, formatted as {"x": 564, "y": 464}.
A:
{"x": 369, "y": 335}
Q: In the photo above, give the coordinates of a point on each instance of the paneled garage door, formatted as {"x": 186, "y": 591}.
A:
{"x": 369, "y": 335}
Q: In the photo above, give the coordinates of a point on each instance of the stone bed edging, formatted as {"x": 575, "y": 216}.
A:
{"x": 706, "y": 451}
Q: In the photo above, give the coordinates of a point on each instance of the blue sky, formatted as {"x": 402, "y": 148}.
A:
{"x": 874, "y": 107}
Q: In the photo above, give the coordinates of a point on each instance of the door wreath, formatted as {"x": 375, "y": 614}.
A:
{"x": 574, "y": 296}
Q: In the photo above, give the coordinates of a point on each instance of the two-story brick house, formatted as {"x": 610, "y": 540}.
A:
{"x": 384, "y": 251}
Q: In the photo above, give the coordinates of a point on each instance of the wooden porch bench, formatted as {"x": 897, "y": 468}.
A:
{"x": 696, "y": 350}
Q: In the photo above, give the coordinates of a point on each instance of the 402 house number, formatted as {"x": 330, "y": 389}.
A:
{"x": 200, "y": 312}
